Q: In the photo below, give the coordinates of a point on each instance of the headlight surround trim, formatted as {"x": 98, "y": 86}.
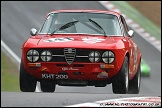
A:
{"x": 94, "y": 56}
{"x": 32, "y": 55}
{"x": 46, "y": 56}
{"x": 108, "y": 57}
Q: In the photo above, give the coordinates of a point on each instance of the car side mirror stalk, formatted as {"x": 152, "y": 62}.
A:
{"x": 33, "y": 31}
{"x": 131, "y": 33}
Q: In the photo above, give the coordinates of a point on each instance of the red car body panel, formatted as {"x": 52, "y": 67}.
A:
{"x": 120, "y": 45}
{"x": 115, "y": 44}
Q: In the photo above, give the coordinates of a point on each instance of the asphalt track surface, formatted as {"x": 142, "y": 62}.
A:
{"x": 18, "y": 17}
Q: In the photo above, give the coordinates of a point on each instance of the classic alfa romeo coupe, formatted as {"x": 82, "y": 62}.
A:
{"x": 81, "y": 48}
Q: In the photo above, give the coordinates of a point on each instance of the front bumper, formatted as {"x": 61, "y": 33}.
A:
{"x": 76, "y": 71}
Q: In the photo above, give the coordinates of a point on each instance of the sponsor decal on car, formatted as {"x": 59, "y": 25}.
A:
{"x": 59, "y": 39}
{"x": 70, "y": 68}
{"x": 102, "y": 75}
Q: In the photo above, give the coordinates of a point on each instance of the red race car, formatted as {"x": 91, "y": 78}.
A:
{"x": 81, "y": 48}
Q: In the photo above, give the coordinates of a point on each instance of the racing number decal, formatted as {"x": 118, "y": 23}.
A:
{"x": 92, "y": 40}
{"x": 59, "y": 39}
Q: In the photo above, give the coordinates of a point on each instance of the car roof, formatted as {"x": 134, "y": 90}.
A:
{"x": 90, "y": 11}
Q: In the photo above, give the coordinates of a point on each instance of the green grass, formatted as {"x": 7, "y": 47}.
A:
{"x": 137, "y": 17}
{"x": 9, "y": 74}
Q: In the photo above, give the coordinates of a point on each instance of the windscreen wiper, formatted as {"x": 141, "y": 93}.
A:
{"x": 97, "y": 25}
{"x": 67, "y": 25}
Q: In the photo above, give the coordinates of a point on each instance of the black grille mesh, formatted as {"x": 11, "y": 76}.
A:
{"x": 80, "y": 56}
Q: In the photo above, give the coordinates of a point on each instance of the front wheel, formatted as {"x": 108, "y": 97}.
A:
{"x": 120, "y": 81}
{"x": 134, "y": 84}
{"x": 47, "y": 85}
{"x": 27, "y": 82}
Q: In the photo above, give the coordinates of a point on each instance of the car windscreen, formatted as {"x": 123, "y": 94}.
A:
{"x": 87, "y": 23}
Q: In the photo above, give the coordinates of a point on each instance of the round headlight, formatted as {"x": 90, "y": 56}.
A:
{"x": 32, "y": 55}
{"x": 108, "y": 57}
{"x": 94, "y": 56}
{"x": 46, "y": 56}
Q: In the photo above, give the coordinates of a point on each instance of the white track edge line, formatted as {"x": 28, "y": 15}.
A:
{"x": 10, "y": 52}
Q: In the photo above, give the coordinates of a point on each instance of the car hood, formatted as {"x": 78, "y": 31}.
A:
{"x": 78, "y": 41}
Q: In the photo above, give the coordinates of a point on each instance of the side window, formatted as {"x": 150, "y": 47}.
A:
{"x": 124, "y": 26}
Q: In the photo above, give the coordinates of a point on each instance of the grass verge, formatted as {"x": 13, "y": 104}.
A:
{"x": 9, "y": 74}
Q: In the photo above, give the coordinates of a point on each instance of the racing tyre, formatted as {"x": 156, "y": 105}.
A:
{"x": 120, "y": 81}
{"x": 27, "y": 82}
{"x": 134, "y": 84}
{"x": 47, "y": 85}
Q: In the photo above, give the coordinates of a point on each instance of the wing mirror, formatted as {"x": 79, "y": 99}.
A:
{"x": 131, "y": 33}
{"x": 33, "y": 31}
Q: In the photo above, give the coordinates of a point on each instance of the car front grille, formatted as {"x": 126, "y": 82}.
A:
{"x": 69, "y": 55}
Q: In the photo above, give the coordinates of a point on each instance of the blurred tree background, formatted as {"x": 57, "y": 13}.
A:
{"x": 150, "y": 9}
